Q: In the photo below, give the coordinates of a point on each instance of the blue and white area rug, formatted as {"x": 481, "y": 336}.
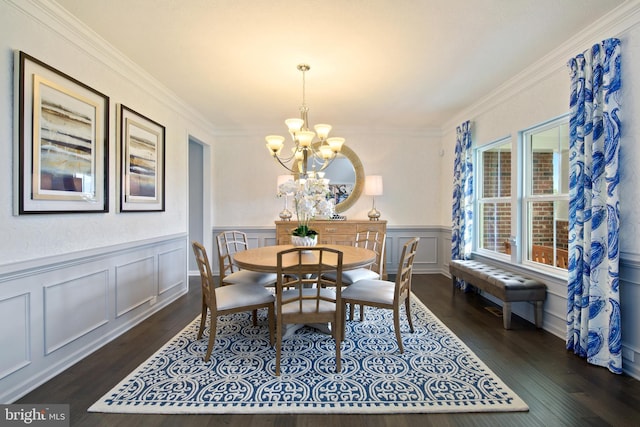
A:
{"x": 436, "y": 373}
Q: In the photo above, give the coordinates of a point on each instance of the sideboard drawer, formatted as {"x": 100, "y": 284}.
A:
{"x": 337, "y": 228}
{"x": 373, "y": 226}
{"x": 287, "y": 230}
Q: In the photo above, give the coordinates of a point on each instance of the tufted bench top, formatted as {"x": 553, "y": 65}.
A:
{"x": 503, "y": 284}
{"x": 513, "y": 284}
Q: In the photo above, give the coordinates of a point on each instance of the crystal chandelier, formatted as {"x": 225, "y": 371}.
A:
{"x": 307, "y": 156}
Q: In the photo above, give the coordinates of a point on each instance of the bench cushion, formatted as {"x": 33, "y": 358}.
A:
{"x": 502, "y": 284}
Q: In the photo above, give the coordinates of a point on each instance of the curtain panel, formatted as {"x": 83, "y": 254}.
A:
{"x": 462, "y": 211}
{"x": 593, "y": 303}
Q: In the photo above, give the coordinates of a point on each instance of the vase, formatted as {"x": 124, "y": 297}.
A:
{"x": 304, "y": 240}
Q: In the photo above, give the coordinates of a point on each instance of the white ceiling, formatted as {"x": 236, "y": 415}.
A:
{"x": 374, "y": 63}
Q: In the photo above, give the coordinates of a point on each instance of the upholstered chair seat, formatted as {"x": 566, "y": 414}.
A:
{"x": 240, "y": 295}
{"x": 246, "y": 276}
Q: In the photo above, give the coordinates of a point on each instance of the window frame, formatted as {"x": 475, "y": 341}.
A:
{"x": 479, "y": 200}
{"x": 528, "y": 196}
{"x": 520, "y": 198}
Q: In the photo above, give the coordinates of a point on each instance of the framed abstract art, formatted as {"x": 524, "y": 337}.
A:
{"x": 142, "y": 160}
{"x": 61, "y": 156}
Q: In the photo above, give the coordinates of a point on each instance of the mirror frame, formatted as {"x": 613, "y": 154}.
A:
{"x": 358, "y": 185}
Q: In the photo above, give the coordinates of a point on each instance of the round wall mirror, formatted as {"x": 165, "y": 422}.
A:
{"x": 346, "y": 178}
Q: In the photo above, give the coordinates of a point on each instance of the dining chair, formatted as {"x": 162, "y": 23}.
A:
{"x": 386, "y": 294}
{"x": 230, "y": 242}
{"x": 223, "y": 300}
{"x": 375, "y": 241}
{"x": 303, "y": 296}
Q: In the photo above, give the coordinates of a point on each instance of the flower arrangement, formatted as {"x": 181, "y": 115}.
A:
{"x": 310, "y": 199}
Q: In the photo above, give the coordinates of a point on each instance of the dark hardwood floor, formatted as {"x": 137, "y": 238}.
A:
{"x": 560, "y": 388}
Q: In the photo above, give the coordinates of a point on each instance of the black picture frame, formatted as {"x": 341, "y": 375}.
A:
{"x": 61, "y": 162}
{"x": 142, "y": 162}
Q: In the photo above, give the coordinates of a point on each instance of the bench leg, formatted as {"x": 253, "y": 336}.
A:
{"x": 506, "y": 315}
{"x": 538, "y": 314}
{"x": 453, "y": 284}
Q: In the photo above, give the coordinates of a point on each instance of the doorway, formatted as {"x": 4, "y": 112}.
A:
{"x": 196, "y": 199}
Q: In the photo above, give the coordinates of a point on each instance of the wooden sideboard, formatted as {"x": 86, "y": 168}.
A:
{"x": 331, "y": 232}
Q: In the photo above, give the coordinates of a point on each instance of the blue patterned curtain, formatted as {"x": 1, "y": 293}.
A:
{"x": 462, "y": 212}
{"x": 593, "y": 312}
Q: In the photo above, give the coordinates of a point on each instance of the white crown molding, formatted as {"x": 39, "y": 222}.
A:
{"x": 345, "y": 131}
{"x": 51, "y": 15}
{"x": 615, "y": 23}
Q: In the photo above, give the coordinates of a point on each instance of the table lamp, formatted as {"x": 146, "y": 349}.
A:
{"x": 373, "y": 187}
{"x": 285, "y": 214}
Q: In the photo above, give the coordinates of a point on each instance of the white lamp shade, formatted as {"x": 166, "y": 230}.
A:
{"x": 294, "y": 125}
{"x": 373, "y": 185}
{"x": 275, "y": 142}
{"x": 335, "y": 143}
{"x": 322, "y": 130}
{"x": 305, "y": 137}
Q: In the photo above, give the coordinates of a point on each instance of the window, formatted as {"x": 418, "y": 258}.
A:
{"x": 546, "y": 193}
{"x": 532, "y": 211}
{"x": 494, "y": 198}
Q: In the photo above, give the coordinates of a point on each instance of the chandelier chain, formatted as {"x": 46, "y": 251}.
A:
{"x": 304, "y": 68}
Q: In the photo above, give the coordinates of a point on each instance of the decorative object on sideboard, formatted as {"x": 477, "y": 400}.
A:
{"x": 373, "y": 188}
{"x": 310, "y": 201}
{"x": 285, "y": 214}
{"x": 304, "y": 240}
{"x": 305, "y": 152}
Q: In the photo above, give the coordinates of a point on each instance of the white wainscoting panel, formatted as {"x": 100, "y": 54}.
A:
{"x": 74, "y": 308}
{"x": 14, "y": 334}
{"x": 629, "y": 300}
{"x": 134, "y": 284}
{"x": 428, "y": 258}
{"x": 58, "y": 310}
{"x": 170, "y": 273}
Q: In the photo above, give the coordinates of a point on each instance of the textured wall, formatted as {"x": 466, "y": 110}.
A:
{"x": 61, "y": 46}
{"x": 244, "y": 178}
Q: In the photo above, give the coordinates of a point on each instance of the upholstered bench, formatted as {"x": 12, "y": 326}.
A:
{"x": 502, "y": 284}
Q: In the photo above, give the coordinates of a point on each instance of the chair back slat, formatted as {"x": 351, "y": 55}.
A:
{"x": 375, "y": 241}
{"x": 230, "y": 242}
{"x": 302, "y": 269}
{"x": 206, "y": 277}
{"x": 405, "y": 269}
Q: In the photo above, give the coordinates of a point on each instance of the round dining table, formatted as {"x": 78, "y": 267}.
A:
{"x": 265, "y": 259}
